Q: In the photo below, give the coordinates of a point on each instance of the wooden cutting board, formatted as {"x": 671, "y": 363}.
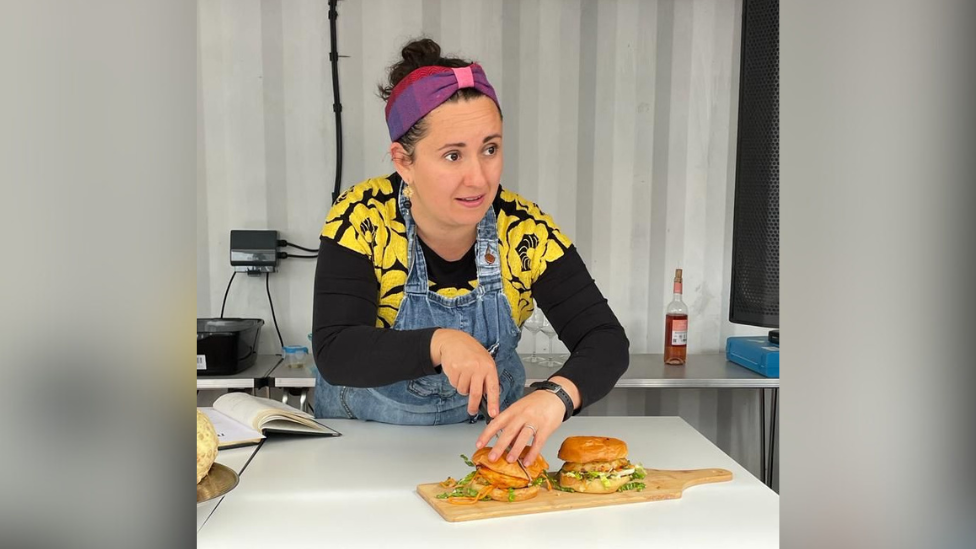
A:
{"x": 660, "y": 484}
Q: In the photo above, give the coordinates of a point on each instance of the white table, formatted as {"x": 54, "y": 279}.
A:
{"x": 646, "y": 371}
{"x": 236, "y": 459}
{"x": 359, "y": 490}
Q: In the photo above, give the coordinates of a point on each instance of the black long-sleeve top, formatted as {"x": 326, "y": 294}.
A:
{"x": 359, "y": 284}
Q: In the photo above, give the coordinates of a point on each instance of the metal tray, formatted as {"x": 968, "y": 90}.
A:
{"x": 220, "y": 480}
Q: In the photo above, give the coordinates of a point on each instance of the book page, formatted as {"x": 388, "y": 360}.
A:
{"x": 229, "y": 431}
{"x": 254, "y": 411}
{"x": 288, "y": 426}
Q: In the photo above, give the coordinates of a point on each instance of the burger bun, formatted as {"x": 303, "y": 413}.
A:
{"x": 587, "y": 449}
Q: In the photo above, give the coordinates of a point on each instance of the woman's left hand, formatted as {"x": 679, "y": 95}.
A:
{"x": 536, "y": 415}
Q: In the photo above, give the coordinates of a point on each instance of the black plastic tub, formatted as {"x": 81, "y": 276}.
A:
{"x": 226, "y": 346}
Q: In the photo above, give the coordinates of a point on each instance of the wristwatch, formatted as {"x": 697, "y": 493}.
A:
{"x": 557, "y": 390}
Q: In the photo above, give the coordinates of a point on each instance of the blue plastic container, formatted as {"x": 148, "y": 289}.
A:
{"x": 755, "y": 353}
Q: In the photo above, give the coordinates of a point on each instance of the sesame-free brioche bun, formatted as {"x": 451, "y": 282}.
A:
{"x": 501, "y": 465}
{"x": 593, "y": 486}
{"x": 587, "y": 449}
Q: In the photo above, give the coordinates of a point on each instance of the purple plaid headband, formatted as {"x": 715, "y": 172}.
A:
{"x": 424, "y": 89}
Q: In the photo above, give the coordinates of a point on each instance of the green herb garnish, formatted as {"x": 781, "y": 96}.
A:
{"x": 467, "y": 461}
{"x": 511, "y": 495}
{"x": 638, "y": 486}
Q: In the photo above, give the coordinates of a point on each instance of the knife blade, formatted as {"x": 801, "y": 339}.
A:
{"x": 524, "y": 470}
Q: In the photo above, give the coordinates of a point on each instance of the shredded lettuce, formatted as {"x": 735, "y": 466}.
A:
{"x": 459, "y": 492}
{"x": 604, "y": 477}
{"x": 554, "y": 479}
{"x": 468, "y": 478}
{"x": 639, "y": 472}
{"x": 638, "y": 486}
{"x": 511, "y": 495}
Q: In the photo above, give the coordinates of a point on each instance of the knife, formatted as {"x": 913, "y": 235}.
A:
{"x": 483, "y": 407}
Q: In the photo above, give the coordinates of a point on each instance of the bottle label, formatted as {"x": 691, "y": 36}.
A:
{"x": 679, "y": 332}
{"x": 677, "y": 287}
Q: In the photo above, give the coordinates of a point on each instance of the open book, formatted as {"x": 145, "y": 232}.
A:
{"x": 241, "y": 419}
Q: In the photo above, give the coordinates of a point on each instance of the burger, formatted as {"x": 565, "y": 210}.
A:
{"x": 508, "y": 481}
{"x": 597, "y": 465}
{"x": 498, "y": 480}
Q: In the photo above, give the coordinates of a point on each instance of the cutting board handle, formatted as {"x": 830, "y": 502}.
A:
{"x": 682, "y": 479}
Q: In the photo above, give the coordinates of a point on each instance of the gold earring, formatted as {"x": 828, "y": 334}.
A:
{"x": 407, "y": 191}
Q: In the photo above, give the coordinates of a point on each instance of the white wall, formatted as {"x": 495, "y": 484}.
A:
{"x": 619, "y": 121}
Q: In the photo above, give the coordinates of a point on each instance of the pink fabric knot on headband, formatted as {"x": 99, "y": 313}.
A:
{"x": 465, "y": 78}
{"x": 425, "y": 89}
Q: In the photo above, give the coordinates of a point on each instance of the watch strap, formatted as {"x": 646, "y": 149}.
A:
{"x": 557, "y": 390}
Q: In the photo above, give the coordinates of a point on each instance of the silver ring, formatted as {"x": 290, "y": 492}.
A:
{"x": 530, "y": 427}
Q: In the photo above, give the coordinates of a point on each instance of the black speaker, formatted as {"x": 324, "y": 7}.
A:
{"x": 755, "y": 225}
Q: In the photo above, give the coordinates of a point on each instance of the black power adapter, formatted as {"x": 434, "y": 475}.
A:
{"x": 254, "y": 252}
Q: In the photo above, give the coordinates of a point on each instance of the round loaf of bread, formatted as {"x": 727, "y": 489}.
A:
{"x": 206, "y": 445}
{"x": 587, "y": 449}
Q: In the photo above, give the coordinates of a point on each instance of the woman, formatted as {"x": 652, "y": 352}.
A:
{"x": 425, "y": 276}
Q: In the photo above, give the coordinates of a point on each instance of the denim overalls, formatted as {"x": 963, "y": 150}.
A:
{"x": 483, "y": 313}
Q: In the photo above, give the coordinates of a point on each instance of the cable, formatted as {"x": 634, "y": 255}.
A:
{"x": 336, "y": 105}
{"x": 267, "y": 285}
{"x": 227, "y": 291}
{"x": 286, "y": 243}
{"x": 286, "y": 255}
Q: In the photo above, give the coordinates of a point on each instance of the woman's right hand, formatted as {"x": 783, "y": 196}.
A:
{"x": 468, "y": 366}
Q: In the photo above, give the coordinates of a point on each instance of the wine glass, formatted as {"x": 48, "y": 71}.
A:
{"x": 533, "y": 324}
{"x": 550, "y": 331}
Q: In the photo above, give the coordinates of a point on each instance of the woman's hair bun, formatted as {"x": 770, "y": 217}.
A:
{"x": 420, "y": 53}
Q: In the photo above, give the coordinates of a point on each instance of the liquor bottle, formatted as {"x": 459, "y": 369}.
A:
{"x": 676, "y": 327}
